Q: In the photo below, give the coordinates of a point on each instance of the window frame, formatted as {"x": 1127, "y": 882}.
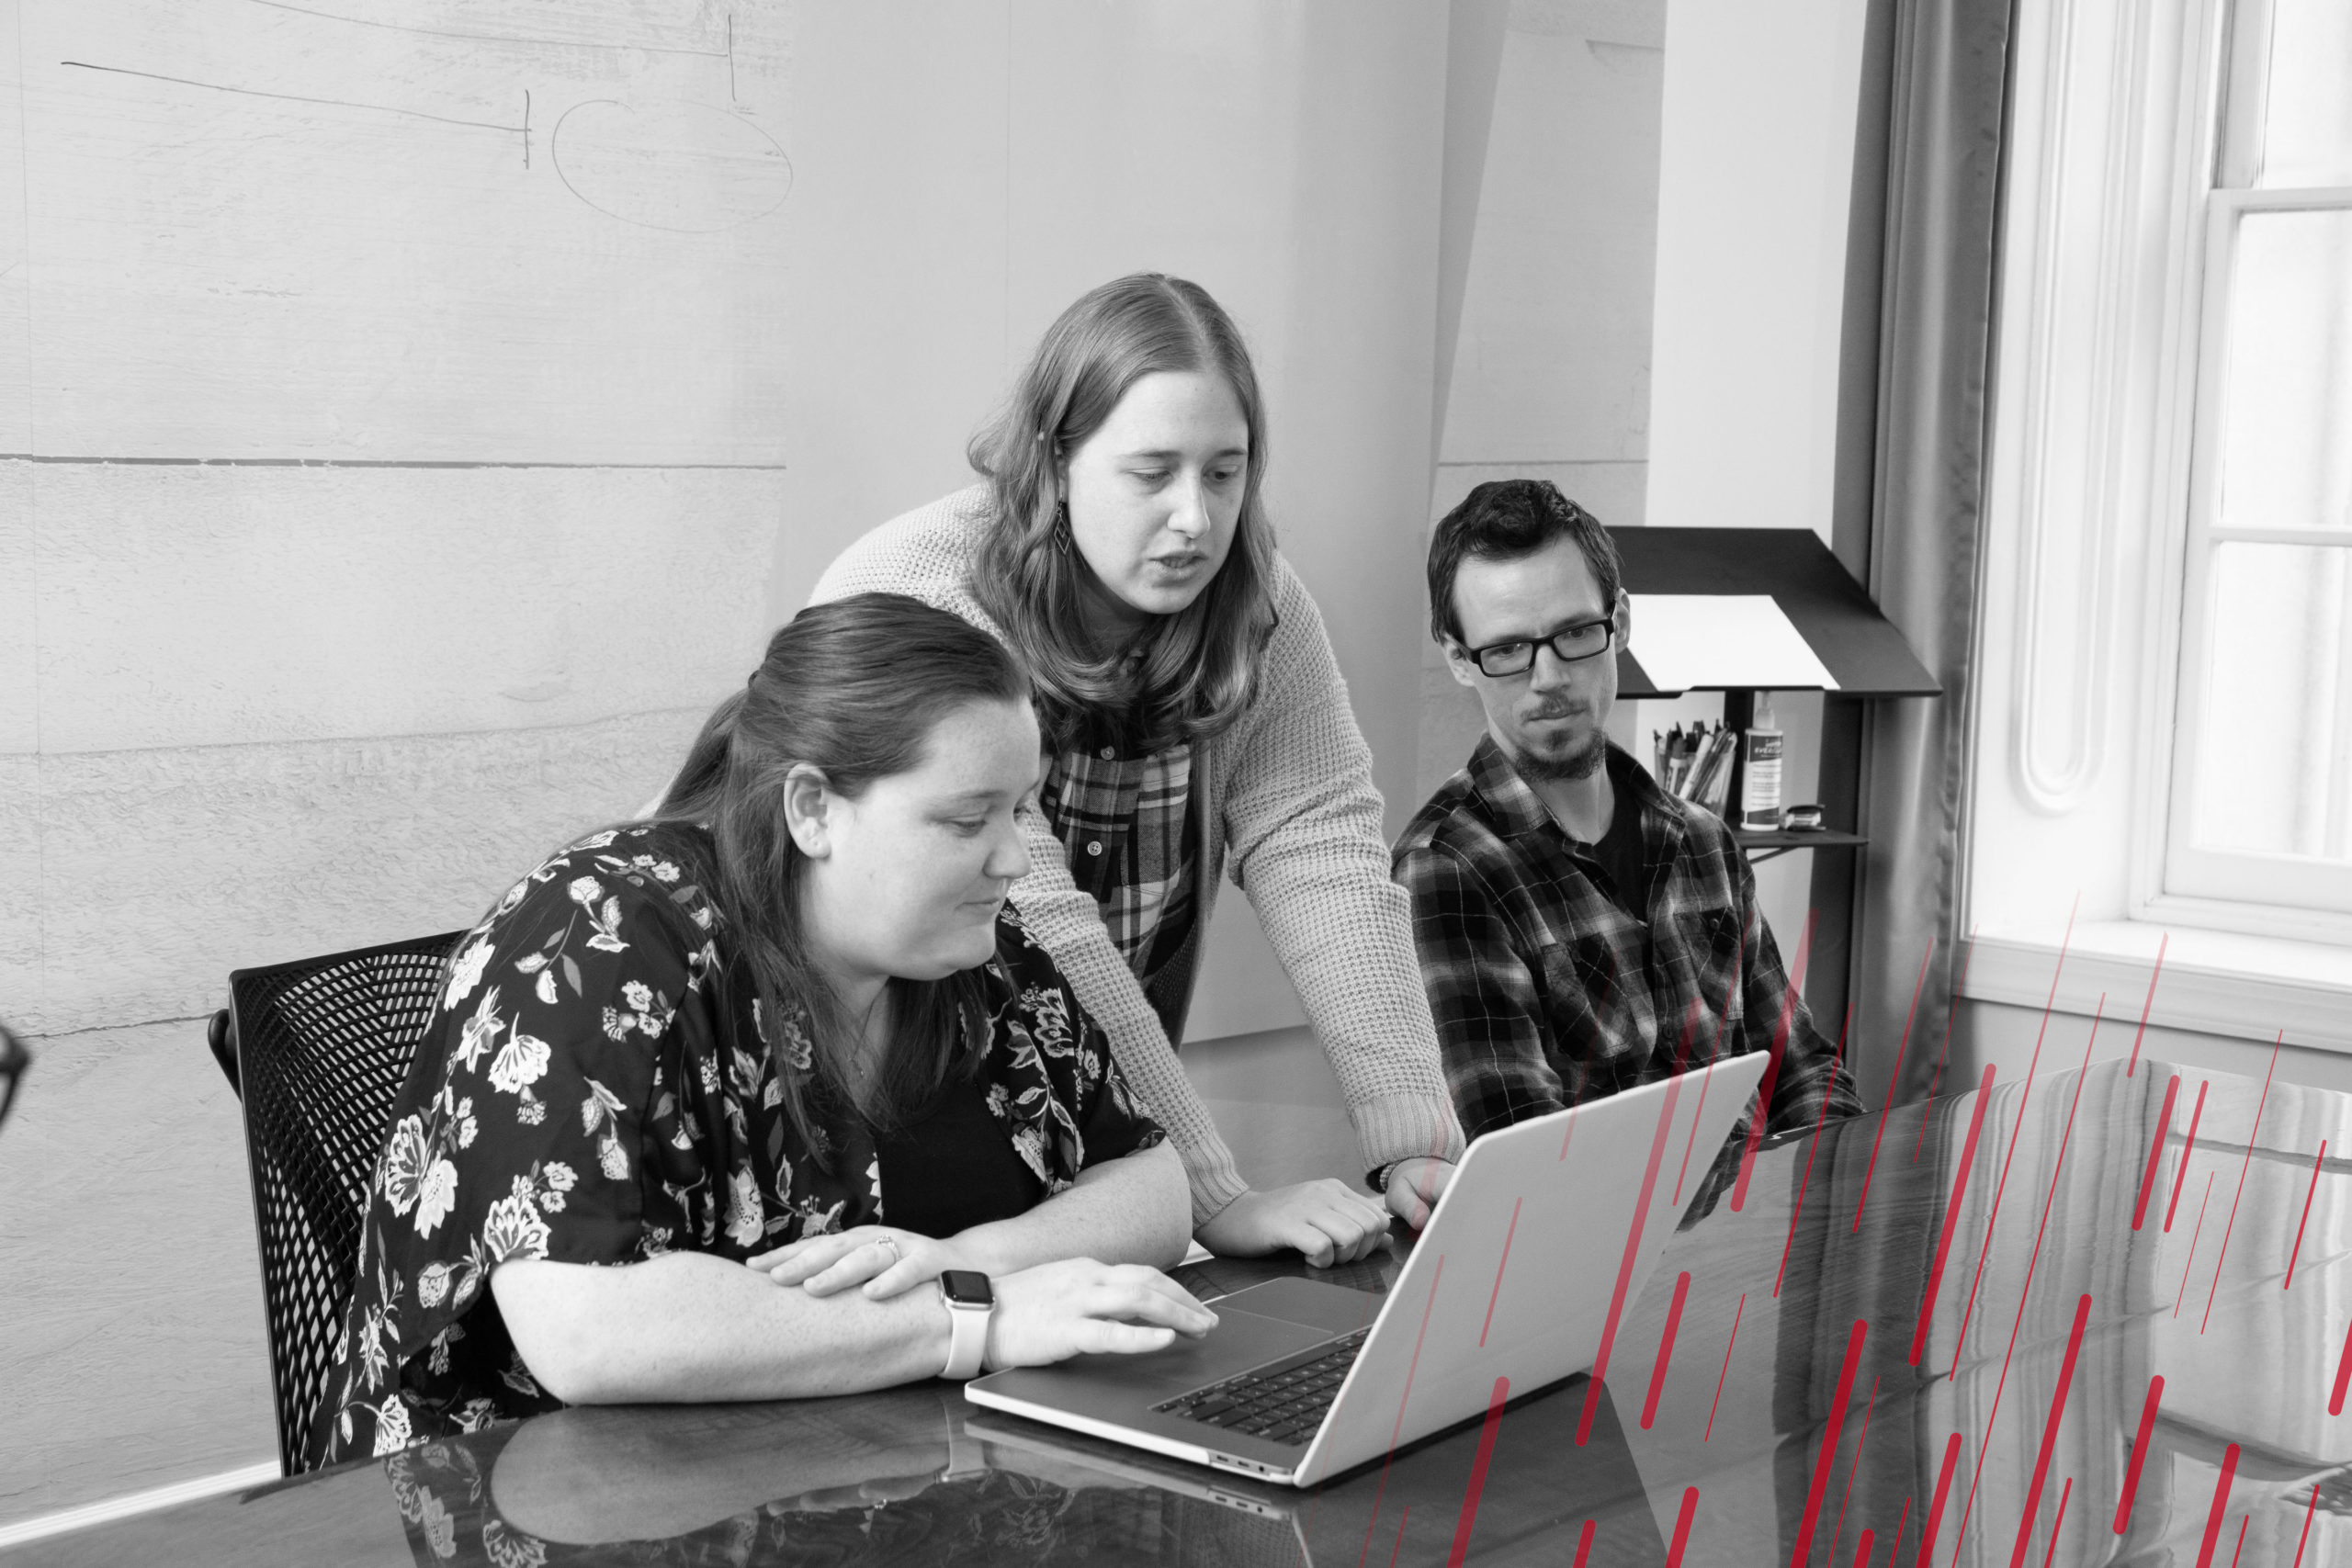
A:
{"x": 2176, "y": 880}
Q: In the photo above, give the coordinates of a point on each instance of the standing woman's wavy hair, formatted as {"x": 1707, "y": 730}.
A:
{"x": 1199, "y": 666}
{"x": 853, "y": 688}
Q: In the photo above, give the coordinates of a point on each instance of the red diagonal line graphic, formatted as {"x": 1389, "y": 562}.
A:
{"x": 1682, "y": 1526}
{"x": 2138, "y": 1453}
{"x": 2222, "y": 1257}
{"x": 1401, "y": 1518}
{"x": 2221, "y": 1507}
{"x": 1892, "y": 1083}
{"x": 1394, "y": 1432}
{"x": 2155, "y": 1152}
{"x": 1951, "y": 1215}
{"x": 1714, "y": 1055}
{"x": 2182, "y": 1294}
{"x": 2024, "y": 1290}
{"x": 1936, "y": 1509}
{"x": 1812, "y": 1147}
{"x": 1478, "y": 1473}
{"x": 1829, "y": 1456}
{"x": 1625, "y": 1264}
{"x": 1772, "y": 1067}
{"x": 1666, "y": 1348}
{"x": 1958, "y": 986}
{"x": 1568, "y": 1129}
{"x": 1862, "y": 1550}
{"x": 1735, "y": 1339}
{"x": 2064, "y": 1491}
{"x": 1894, "y": 1551}
{"x": 2016, "y": 1131}
{"x": 2131, "y": 1066}
{"x": 1496, "y": 1295}
{"x": 2309, "y": 1509}
{"x": 1584, "y": 1543}
{"x": 2188, "y": 1148}
{"x": 2049, "y": 1432}
{"x": 2343, "y": 1375}
{"x": 2244, "y": 1521}
{"x": 2314, "y": 1192}
{"x": 1852, "y": 1469}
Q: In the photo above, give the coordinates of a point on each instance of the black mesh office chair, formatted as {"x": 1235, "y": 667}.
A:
{"x": 318, "y": 1050}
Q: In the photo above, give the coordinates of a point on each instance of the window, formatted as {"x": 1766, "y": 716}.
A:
{"x": 2260, "y": 809}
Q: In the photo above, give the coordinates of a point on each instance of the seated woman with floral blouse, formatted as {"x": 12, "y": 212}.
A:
{"x": 710, "y": 1095}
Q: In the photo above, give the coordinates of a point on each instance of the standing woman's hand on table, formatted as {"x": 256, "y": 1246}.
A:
{"x": 1325, "y": 1219}
{"x": 1415, "y": 1186}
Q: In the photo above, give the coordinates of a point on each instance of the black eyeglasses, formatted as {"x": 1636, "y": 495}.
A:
{"x": 1568, "y": 644}
{"x": 13, "y": 1060}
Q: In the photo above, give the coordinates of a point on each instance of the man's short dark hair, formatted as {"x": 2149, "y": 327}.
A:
{"x": 1505, "y": 519}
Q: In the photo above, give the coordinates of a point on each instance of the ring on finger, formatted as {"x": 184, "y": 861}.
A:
{"x": 892, "y": 1243}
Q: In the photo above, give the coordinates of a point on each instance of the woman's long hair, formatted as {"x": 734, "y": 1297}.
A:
{"x": 854, "y": 689}
{"x": 1199, "y": 666}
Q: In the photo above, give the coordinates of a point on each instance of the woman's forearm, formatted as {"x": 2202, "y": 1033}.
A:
{"x": 1130, "y": 1210}
{"x": 692, "y": 1327}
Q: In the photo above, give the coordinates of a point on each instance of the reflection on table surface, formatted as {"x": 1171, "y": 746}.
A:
{"x": 2002, "y": 1366}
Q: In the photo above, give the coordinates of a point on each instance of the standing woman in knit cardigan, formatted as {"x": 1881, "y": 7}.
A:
{"x": 1196, "y": 724}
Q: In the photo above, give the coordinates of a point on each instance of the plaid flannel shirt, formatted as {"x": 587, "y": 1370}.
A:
{"x": 1547, "y": 993}
{"x": 1120, "y": 820}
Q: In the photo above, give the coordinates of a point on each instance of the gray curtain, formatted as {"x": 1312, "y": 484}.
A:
{"x": 1920, "y": 312}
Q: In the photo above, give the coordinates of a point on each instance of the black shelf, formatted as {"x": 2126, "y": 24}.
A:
{"x": 1777, "y": 841}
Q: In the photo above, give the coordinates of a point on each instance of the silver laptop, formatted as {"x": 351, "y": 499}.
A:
{"x": 1522, "y": 1276}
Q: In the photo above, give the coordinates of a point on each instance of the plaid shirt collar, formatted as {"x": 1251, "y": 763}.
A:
{"x": 1512, "y": 806}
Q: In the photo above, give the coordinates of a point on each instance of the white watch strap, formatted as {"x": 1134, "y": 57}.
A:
{"x": 967, "y": 1329}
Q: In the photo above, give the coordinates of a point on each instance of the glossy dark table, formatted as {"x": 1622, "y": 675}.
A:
{"x": 1939, "y": 1324}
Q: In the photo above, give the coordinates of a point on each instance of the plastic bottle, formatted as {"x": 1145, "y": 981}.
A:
{"x": 1761, "y": 748}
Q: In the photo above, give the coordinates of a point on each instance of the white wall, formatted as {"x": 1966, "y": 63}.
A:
{"x": 1756, "y": 167}
{"x": 520, "y": 485}
{"x": 1755, "y": 170}
{"x": 341, "y": 439}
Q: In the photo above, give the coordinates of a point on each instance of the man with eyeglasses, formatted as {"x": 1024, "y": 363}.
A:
{"x": 1580, "y": 931}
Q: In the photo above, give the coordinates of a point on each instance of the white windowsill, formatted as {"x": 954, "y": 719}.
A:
{"x": 2223, "y": 982}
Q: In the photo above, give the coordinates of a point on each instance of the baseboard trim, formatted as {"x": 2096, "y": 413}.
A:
{"x": 65, "y": 1520}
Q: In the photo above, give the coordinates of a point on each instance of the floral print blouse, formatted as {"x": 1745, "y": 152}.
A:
{"x": 595, "y": 1089}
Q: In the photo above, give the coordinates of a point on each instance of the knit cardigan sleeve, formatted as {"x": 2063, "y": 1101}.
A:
{"x": 925, "y": 554}
{"x": 1303, "y": 829}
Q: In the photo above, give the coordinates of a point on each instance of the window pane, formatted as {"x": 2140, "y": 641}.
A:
{"x": 2307, "y": 115}
{"x": 2286, "y": 456}
{"x": 2274, "y": 760}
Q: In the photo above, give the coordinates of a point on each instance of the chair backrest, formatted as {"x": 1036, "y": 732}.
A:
{"x": 323, "y": 1047}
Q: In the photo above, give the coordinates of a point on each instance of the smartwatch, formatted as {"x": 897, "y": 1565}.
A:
{"x": 969, "y": 1300}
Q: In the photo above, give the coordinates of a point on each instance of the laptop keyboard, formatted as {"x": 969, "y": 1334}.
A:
{"x": 1283, "y": 1402}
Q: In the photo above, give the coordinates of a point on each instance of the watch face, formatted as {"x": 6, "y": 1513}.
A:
{"x": 967, "y": 1287}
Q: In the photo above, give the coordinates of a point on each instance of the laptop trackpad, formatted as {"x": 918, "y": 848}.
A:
{"x": 1311, "y": 1304}
{"x": 1263, "y": 1323}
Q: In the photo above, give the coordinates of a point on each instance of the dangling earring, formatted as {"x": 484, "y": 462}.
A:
{"x": 1061, "y": 527}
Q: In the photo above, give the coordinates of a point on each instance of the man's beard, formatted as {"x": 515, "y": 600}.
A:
{"x": 1580, "y": 763}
